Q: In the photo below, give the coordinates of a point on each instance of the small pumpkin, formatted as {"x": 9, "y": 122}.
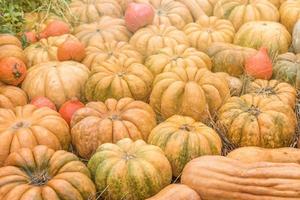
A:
{"x": 55, "y": 28}
{"x": 8, "y": 39}
{"x": 152, "y": 38}
{"x": 101, "y": 122}
{"x": 41, "y": 101}
{"x": 183, "y": 139}
{"x": 207, "y": 30}
{"x": 188, "y": 91}
{"x": 10, "y": 46}
{"x": 180, "y": 56}
{"x": 198, "y": 8}
{"x": 289, "y": 14}
{"x": 71, "y": 50}
{"x": 45, "y": 174}
{"x": 11, "y": 96}
{"x": 68, "y": 109}
{"x": 58, "y": 81}
{"x": 252, "y": 120}
{"x": 12, "y": 70}
{"x": 29, "y": 126}
{"x": 106, "y": 29}
{"x": 235, "y": 84}
{"x": 116, "y": 170}
{"x": 38, "y": 21}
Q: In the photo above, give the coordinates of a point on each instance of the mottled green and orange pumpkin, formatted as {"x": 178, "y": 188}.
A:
{"x": 44, "y": 174}
{"x": 183, "y": 139}
{"x": 130, "y": 170}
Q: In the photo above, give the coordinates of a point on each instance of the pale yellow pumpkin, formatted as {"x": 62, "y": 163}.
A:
{"x": 199, "y": 8}
{"x": 289, "y": 14}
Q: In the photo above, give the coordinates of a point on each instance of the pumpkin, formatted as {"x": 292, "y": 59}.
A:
{"x": 207, "y": 30}
{"x": 296, "y": 38}
{"x": 29, "y": 126}
{"x": 68, "y": 109}
{"x": 11, "y": 96}
{"x": 240, "y": 12}
{"x": 257, "y": 34}
{"x": 235, "y": 84}
{"x": 55, "y": 28}
{"x": 42, "y": 173}
{"x": 102, "y": 52}
{"x": 258, "y": 154}
{"x": 12, "y": 70}
{"x": 252, "y": 120}
{"x": 183, "y": 139}
{"x": 188, "y": 91}
{"x": 41, "y": 101}
{"x": 87, "y": 11}
{"x": 273, "y": 89}
{"x": 130, "y": 170}
{"x": 176, "y": 192}
{"x": 58, "y": 81}
{"x": 71, "y": 50}
{"x": 169, "y": 13}
{"x": 152, "y": 38}
{"x": 110, "y": 121}
{"x": 180, "y": 56}
{"x": 46, "y": 49}
{"x": 106, "y": 29}
{"x": 29, "y": 37}
{"x": 199, "y": 8}
{"x": 289, "y": 14}
{"x": 10, "y": 46}
{"x": 117, "y": 79}
{"x": 222, "y": 178}
{"x": 287, "y": 68}
{"x": 229, "y": 58}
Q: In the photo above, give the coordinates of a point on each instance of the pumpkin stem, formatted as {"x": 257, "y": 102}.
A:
{"x": 114, "y": 117}
{"x": 254, "y": 111}
{"x": 16, "y": 72}
{"x": 21, "y": 124}
{"x": 185, "y": 127}
{"x": 128, "y": 157}
{"x": 266, "y": 91}
{"x": 39, "y": 178}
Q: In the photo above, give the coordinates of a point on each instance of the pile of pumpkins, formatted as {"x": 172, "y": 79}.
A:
{"x": 139, "y": 99}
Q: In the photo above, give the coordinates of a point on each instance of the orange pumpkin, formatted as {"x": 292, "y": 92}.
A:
{"x": 198, "y": 8}
{"x": 12, "y": 70}
{"x": 10, "y": 46}
{"x": 68, "y": 109}
{"x": 11, "y": 96}
{"x": 41, "y": 101}
{"x": 71, "y": 50}
{"x": 55, "y": 28}
{"x": 289, "y": 14}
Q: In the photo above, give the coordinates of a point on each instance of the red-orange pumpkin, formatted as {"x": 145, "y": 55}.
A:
{"x": 71, "y": 50}
{"x": 41, "y": 101}
{"x": 55, "y": 28}
{"x": 12, "y": 70}
{"x": 69, "y": 108}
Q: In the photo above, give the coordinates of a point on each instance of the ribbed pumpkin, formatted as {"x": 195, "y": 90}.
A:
{"x": 199, "y": 8}
{"x": 271, "y": 35}
{"x": 28, "y": 126}
{"x": 44, "y": 174}
{"x": 240, "y": 12}
{"x": 252, "y": 120}
{"x": 183, "y": 139}
{"x": 130, "y": 170}
{"x": 87, "y": 11}
{"x": 188, "y": 91}
{"x": 277, "y": 3}
{"x": 229, "y": 58}
{"x": 287, "y": 69}
{"x": 117, "y": 79}
{"x": 102, "y": 52}
{"x": 170, "y": 13}
{"x": 289, "y": 14}
{"x": 106, "y": 29}
{"x": 46, "y": 49}
{"x": 221, "y": 178}
{"x": 110, "y": 121}
{"x": 207, "y": 30}
{"x": 58, "y": 81}
{"x": 176, "y": 192}
{"x": 296, "y": 38}
{"x": 10, "y": 46}
{"x": 235, "y": 84}
{"x": 11, "y": 96}
{"x": 180, "y": 56}
{"x": 273, "y": 89}
{"x": 152, "y": 38}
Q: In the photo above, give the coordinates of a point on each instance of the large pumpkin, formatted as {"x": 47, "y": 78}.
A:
{"x": 240, "y": 12}
{"x": 130, "y": 170}
{"x": 44, "y": 174}
{"x": 10, "y": 46}
{"x": 199, "y": 8}
{"x": 110, "y": 121}
{"x": 152, "y": 38}
{"x": 287, "y": 69}
{"x": 252, "y": 120}
{"x": 180, "y": 56}
{"x": 222, "y": 178}
{"x": 28, "y": 126}
{"x": 229, "y": 58}
{"x": 102, "y": 52}
{"x": 87, "y": 11}
{"x": 170, "y": 13}
{"x": 46, "y": 49}
{"x": 183, "y": 139}
{"x": 273, "y": 89}
{"x": 119, "y": 78}
{"x": 11, "y": 96}
{"x": 188, "y": 91}
{"x": 106, "y": 29}
{"x": 289, "y": 14}
{"x": 58, "y": 81}
{"x": 271, "y": 35}
{"x": 207, "y": 30}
